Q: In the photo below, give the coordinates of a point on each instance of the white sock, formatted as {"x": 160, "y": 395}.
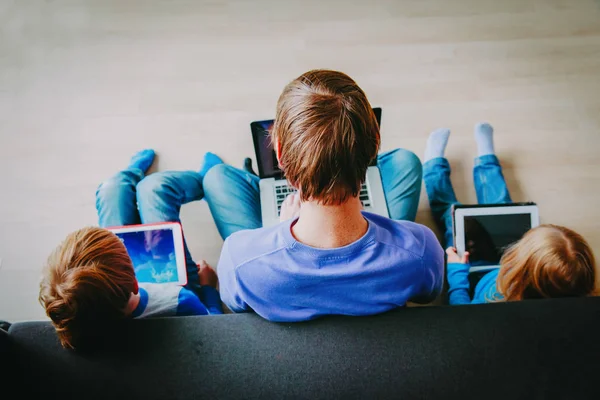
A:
{"x": 484, "y": 136}
{"x": 436, "y": 144}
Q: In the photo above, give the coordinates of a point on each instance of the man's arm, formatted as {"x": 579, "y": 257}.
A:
{"x": 433, "y": 281}
{"x": 432, "y": 266}
{"x": 228, "y": 282}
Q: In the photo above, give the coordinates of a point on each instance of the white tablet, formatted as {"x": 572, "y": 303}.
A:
{"x": 485, "y": 231}
{"x": 156, "y": 251}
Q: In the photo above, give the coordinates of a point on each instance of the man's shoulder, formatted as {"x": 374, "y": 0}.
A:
{"x": 245, "y": 245}
{"x": 407, "y": 236}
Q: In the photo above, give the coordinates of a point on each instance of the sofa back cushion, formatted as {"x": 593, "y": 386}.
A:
{"x": 533, "y": 349}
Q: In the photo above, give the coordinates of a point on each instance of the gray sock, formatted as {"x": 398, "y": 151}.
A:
{"x": 436, "y": 144}
{"x": 484, "y": 136}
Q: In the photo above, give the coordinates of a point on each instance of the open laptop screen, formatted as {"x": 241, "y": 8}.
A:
{"x": 266, "y": 158}
{"x": 268, "y": 167}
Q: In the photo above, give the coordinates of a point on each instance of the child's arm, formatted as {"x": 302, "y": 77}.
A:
{"x": 458, "y": 277}
{"x": 208, "y": 292}
{"x": 211, "y": 299}
{"x": 189, "y": 304}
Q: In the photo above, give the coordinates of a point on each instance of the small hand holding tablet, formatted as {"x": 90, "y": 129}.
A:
{"x": 453, "y": 258}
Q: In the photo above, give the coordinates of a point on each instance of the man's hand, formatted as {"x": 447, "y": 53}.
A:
{"x": 207, "y": 275}
{"x": 290, "y": 207}
{"x": 453, "y": 258}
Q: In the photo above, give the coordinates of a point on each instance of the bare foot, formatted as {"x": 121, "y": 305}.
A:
{"x": 207, "y": 275}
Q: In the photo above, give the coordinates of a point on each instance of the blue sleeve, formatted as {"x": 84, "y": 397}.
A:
{"x": 228, "y": 282}
{"x": 458, "y": 283}
{"x": 432, "y": 264}
{"x": 211, "y": 299}
{"x": 189, "y": 304}
{"x": 486, "y": 290}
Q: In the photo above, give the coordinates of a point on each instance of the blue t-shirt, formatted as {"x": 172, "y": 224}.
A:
{"x": 281, "y": 279}
{"x": 458, "y": 286}
{"x": 163, "y": 300}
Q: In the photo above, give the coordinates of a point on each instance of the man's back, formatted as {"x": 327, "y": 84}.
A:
{"x": 281, "y": 279}
{"x": 325, "y": 137}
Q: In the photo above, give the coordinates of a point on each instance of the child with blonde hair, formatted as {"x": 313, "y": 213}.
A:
{"x": 549, "y": 261}
{"x": 89, "y": 283}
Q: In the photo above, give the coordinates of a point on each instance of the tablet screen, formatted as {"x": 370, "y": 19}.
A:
{"x": 153, "y": 255}
{"x": 488, "y": 236}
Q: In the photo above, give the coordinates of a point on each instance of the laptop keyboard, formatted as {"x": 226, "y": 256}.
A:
{"x": 364, "y": 196}
{"x": 282, "y": 191}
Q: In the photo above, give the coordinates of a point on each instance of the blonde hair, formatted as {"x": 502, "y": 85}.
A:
{"x": 328, "y": 135}
{"x": 87, "y": 283}
{"x": 549, "y": 261}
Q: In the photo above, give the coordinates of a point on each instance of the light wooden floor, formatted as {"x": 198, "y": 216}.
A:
{"x": 84, "y": 84}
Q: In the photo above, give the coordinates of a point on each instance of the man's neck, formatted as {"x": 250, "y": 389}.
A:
{"x": 332, "y": 226}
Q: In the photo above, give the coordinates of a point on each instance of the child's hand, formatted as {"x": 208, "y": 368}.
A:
{"x": 207, "y": 275}
{"x": 453, "y": 258}
{"x": 290, "y": 207}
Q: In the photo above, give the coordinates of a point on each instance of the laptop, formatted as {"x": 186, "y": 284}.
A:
{"x": 274, "y": 188}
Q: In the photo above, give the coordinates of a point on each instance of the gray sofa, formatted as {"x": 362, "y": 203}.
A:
{"x": 537, "y": 349}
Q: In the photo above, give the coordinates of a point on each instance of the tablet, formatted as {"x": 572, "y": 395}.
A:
{"x": 156, "y": 251}
{"x": 486, "y": 231}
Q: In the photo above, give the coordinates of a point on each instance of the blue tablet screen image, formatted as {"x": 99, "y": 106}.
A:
{"x": 153, "y": 255}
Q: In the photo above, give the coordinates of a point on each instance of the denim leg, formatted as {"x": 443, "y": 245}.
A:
{"x": 401, "y": 176}
{"x": 116, "y": 202}
{"x": 441, "y": 195}
{"x": 233, "y": 197}
{"x": 160, "y": 197}
{"x": 489, "y": 181}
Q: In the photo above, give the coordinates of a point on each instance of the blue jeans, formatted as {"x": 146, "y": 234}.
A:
{"x": 233, "y": 195}
{"x": 129, "y": 198}
{"x": 489, "y": 186}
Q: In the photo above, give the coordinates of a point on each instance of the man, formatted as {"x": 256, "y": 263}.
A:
{"x": 327, "y": 256}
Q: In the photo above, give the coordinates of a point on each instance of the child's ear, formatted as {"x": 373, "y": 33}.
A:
{"x": 278, "y": 150}
{"x": 136, "y": 288}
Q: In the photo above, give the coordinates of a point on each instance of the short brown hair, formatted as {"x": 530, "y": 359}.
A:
{"x": 328, "y": 135}
{"x": 87, "y": 283}
{"x": 549, "y": 261}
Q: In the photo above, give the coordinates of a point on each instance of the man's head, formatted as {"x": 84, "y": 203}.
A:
{"x": 326, "y": 135}
{"x": 87, "y": 284}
